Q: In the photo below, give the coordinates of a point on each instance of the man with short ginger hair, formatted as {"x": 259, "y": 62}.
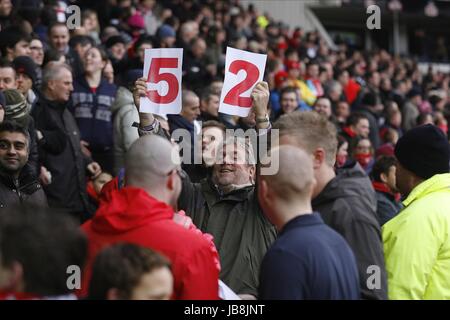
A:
{"x": 345, "y": 200}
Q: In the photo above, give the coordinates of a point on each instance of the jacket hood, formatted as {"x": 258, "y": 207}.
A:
{"x": 123, "y": 97}
{"x": 127, "y": 209}
{"x": 350, "y": 181}
{"x": 435, "y": 183}
{"x": 179, "y": 122}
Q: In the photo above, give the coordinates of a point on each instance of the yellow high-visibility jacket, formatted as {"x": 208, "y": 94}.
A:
{"x": 417, "y": 243}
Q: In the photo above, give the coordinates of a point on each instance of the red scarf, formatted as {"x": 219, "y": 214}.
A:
{"x": 349, "y": 131}
{"x": 340, "y": 160}
{"x": 363, "y": 159}
{"x": 381, "y": 187}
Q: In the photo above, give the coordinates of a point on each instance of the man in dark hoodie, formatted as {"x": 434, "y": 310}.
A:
{"x": 345, "y": 199}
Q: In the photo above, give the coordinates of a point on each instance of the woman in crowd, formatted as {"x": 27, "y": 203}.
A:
{"x": 93, "y": 97}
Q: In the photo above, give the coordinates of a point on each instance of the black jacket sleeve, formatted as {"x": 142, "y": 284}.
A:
{"x": 365, "y": 240}
{"x": 33, "y": 157}
{"x": 54, "y": 138}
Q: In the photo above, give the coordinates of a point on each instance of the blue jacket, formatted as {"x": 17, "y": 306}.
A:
{"x": 92, "y": 112}
{"x": 309, "y": 260}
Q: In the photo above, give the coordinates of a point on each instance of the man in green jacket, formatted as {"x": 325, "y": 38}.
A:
{"x": 225, "y": 204}
{"x": 417, "y": 240}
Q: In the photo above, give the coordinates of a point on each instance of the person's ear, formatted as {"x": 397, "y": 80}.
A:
{"x": 13, "y": 280}
{"x": 252, "y": 172}
{"x": 263, "y": 189}
{"x": 203, "y": 105}
{"x": 171, "y": 182}
{"x": 318, "y": 158}
{"x": 51, "y": 85}
{"x": 113, "y": 294}
{"x": 383, "y": 177}
{"x": 9, "y": 51}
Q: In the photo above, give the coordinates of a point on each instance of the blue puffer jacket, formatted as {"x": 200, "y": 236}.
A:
{"x": 93, "y": 114}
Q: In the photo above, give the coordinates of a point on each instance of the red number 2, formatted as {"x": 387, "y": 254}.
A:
{"x": 252, "y": 74}
{"x": 155, "y": 77}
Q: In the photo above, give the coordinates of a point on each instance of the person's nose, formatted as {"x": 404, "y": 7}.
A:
{"x": 228, "y": 159}
{"x": 12, "y": 150}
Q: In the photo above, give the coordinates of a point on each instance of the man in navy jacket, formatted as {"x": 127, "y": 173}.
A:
{"x": 309, "y": 260}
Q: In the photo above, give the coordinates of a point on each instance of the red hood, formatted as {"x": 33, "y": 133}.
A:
{"x": 127, "y": 209}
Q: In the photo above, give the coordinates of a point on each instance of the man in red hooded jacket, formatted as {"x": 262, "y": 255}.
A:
{"x": 142, "y": 213}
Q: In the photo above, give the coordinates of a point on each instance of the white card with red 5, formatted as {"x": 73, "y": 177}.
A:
{"x": 243, "y": 70}
{"x": 162, "y": 69}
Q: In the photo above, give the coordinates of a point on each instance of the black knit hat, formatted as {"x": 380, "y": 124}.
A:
{"x": 25, "y": 65}
{"x": 424, "y": 151}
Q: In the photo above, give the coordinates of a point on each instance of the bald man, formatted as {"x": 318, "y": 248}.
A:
{"x": 308, "y": 260}
{"x": 142, "y": 213}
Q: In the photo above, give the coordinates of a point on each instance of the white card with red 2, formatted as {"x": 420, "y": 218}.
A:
{"x": 162, "y": 69}
{"x": 243, "y": 70}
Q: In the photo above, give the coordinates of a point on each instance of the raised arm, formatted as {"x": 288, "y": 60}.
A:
{"x": 260, "y": 96}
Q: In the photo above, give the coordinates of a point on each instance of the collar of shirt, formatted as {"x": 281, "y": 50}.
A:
{"x": 303, "y": 220}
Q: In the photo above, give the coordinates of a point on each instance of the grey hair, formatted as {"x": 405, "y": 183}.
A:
{"x": 186, "y": 95}
{"x": 334, "y": 86}
{"x": 52, "y": 71}
{"x": 188, "y": 26}
{"x": 240, "y": 143}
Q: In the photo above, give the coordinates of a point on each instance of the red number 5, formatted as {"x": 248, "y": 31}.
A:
{"x": 233, "y": 96}
{"x": 155, "y": 77}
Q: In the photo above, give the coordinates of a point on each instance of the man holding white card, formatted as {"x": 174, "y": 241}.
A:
{"x": 226, "y": 205}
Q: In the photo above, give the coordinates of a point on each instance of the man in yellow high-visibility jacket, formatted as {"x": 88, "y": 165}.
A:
{"x": 417, "y": 240}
